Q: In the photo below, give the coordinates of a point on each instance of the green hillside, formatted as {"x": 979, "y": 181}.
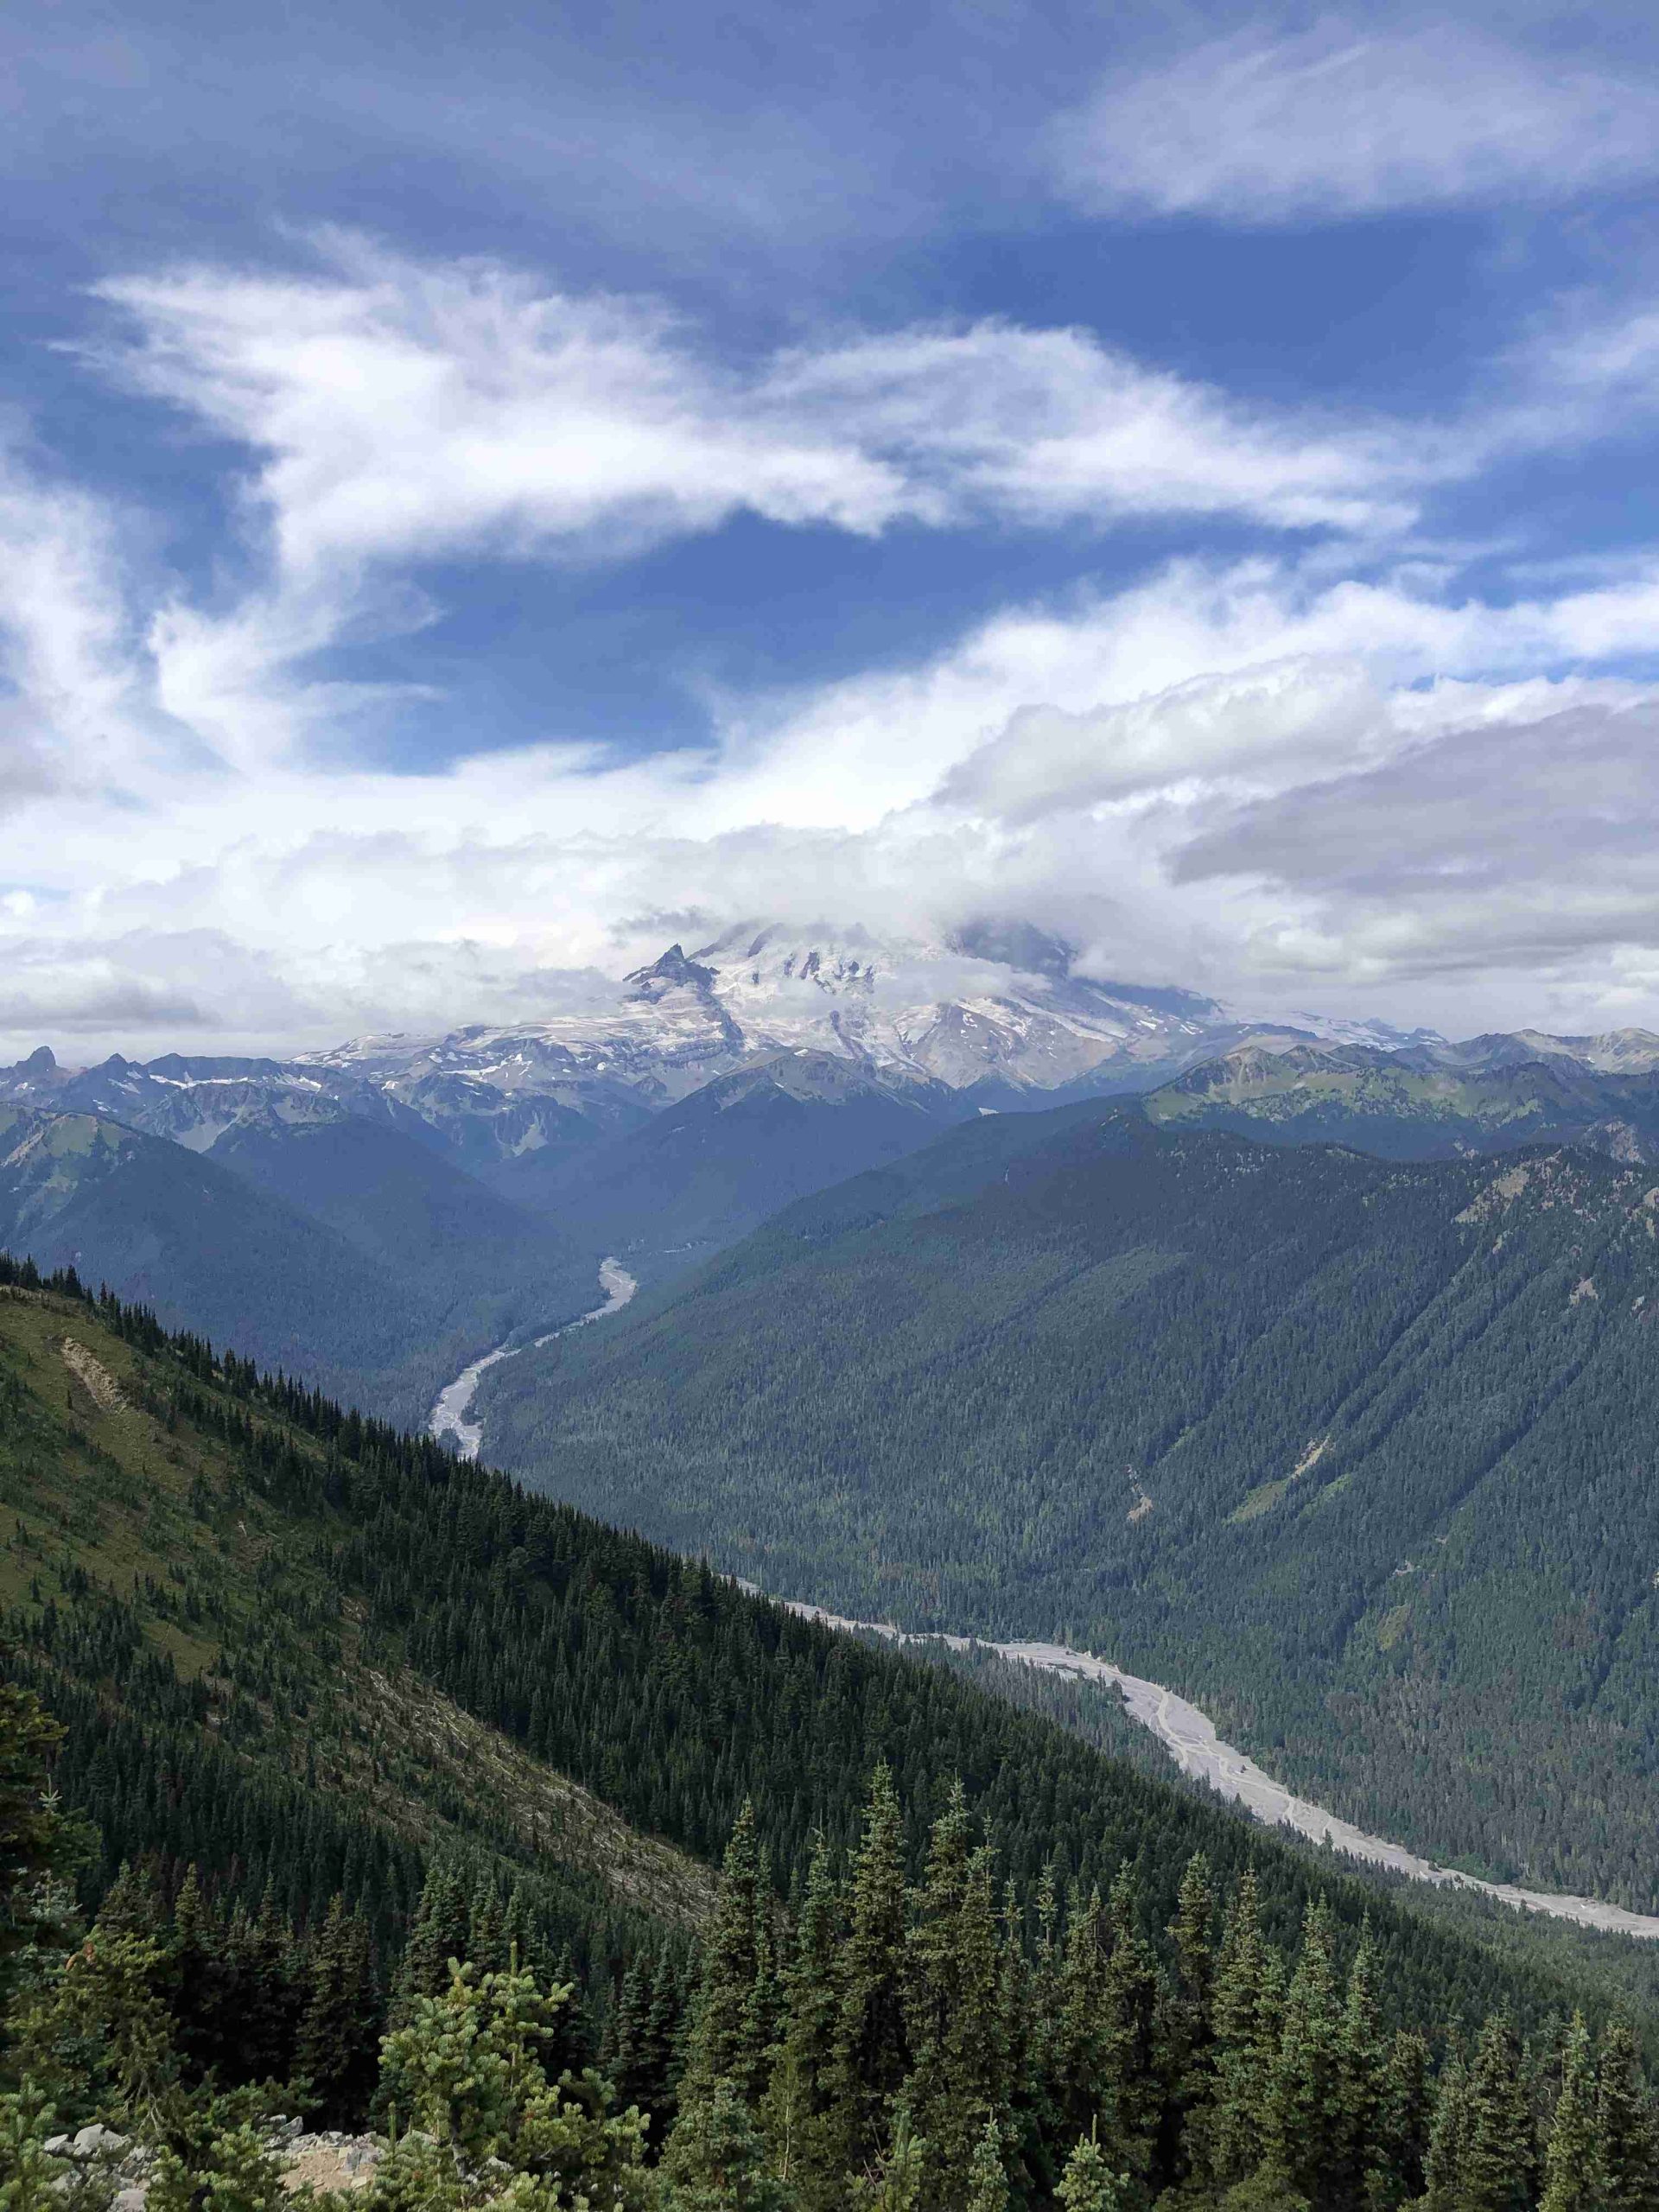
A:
{"x": 299, "y": 1657}
{"x": 1402, "y": 1105}
{"x": 1358, "y": 1454}
{"x": 340, "y": 1252}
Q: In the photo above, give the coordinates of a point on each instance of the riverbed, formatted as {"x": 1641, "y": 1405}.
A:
{"x": 1190, "y": 1738}
{"x": 454, "y": 1403}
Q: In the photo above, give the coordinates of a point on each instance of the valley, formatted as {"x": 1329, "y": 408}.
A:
{"x": 450, "y": 1409}
{"x": 1189, "y": 1736}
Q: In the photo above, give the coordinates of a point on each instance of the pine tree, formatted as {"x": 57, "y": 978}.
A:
{"x": 1304, "y": 2116}
{"x": 1629, "y": 2153}
{"x": 1573, "y": 2176}
{"x": 1500, "y": 2159}
{"x": 1133, "y": 2060}
{"x": 1089, "y": 2183}
{"x": 1244, "y": 2009}
{"x": 988, "y": 2182}
{"x": 1360, "y": 2147}
{"x": 339, "y": 2033}
{"x": 1076, "y": 2053}
{"x": 871, "y": 2057}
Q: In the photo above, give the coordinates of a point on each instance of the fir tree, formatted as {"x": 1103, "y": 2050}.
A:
{"x": 338, "y": 2030}
{"x": 1573, "y": 2176}
{"x": 871, "y": 2058}
{"x": 1245, "y": 2010}
{"x": 1630, "y": 2154}
{"x": 988, "y": 2182}
{"x": 1132, "y": 2060}
{"x": 1499, "y": 2161}
{"x": 1305, "y": 2114}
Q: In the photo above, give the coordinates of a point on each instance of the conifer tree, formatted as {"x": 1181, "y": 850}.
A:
{"x": 953, "y": 2005}
{"x": 730, "y": 2032}
{"x": 1079, "y": 2023}
{"x": 799, "y": 2140}
{"x": 988, "y": 2182}
{"x": 1403, "y": 2123}
{"x": 1573, "y": 2176}
{"x": 1448, "y": 2140}
{"x": 1133, "y": 2067}
{"x": 1358, "y": 2148}
{"x": 338, "y": 2030}
{"x": 871, "y": 2056}
{"x": 717, "y": 2161}
{"x": 1245, "y": 2010}
{"x": 1500, "y": 2159}
{"x": 1304, "y": 2116}
{"x": 1629, "y": 2152}
{"x": 1089, "y": 2183}
{"x": 437, "y": 1935}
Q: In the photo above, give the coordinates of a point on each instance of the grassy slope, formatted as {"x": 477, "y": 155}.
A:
{"x": 95, "y": 1483}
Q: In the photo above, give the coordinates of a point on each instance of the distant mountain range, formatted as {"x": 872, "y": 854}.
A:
{"x": 477, "y": 1176}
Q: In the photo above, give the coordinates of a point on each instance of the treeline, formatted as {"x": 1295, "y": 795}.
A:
{"x": 931, "y": 2043}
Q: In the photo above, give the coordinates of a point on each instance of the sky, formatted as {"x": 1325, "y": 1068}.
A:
{"x": 487, "y": 493}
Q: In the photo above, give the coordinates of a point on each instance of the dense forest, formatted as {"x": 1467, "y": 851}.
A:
{"x": 1358, "y": 1454}
{"x": 339, "y": 1707}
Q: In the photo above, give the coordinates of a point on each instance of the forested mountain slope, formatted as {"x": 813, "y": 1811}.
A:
{"x": 1358, "y": 1454}
{"x": 1428, "y": 1102}
{"x": 337, "y": 1250}
{"x": 306, "y": 1653}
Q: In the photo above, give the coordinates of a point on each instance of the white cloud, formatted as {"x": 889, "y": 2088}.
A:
{"x": 1113, "y": 770}
{"x": 401, "y": 412}
{"x": 1262, "y": 128}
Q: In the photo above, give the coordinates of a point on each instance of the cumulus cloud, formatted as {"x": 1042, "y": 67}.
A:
{"x": 1262, "y": 128}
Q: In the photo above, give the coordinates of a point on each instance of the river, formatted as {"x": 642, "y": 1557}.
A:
{"x": 1190, "y": 1738}
{"x": 455, "y": 1401}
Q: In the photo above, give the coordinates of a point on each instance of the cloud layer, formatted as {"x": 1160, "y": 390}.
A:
{"x": 1340, "y": 121}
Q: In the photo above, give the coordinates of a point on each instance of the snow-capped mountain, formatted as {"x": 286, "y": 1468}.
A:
{"x": 995, "y": 1007}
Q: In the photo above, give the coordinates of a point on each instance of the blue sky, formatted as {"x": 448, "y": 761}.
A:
{"x": 478, "y": 492}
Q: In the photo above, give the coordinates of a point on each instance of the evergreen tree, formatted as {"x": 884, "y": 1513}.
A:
{"x": 1403, "y": 2123}
{"x": 871, "y": 2058}
{"x": 437, "y": 1936}
{"x": 1089, "y": 2183}
{"x": 953, "y": 2005}
{"x": 799, "y": 2139}
{"x": 1132, "y": 2058}
{"x": 729, "y": 2035}
{"x": 988, "y": 2182}
{"x": 1360, "y": 2147}
{"x": 1574, "y": 2179}
{"x": 1305, "y": 2102}
{"x": 1499, "y": 2163}
{"x": 338, "y": 2030}
{"x": 1630, "y": 2154}
{"x": 717, "y": 2161}
{"x": 1448, "y": 2140}
{"x": 1245, "y": 2011}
